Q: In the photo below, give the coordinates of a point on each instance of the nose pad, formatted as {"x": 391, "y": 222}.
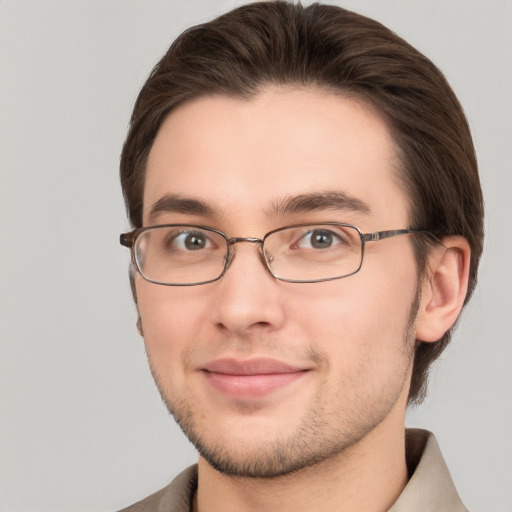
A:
{"x": 266, "y": 257}
{"x": 228, "y": 259}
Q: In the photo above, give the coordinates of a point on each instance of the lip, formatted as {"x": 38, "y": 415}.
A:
{"x": 253, "y": 378}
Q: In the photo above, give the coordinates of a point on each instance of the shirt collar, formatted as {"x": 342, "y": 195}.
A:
{"x": 430, "y": 487}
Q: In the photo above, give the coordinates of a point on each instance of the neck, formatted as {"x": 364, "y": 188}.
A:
{"x": 367, "y": 477}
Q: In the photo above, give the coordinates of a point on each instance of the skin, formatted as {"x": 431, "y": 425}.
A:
{"x": 332, "y": 438}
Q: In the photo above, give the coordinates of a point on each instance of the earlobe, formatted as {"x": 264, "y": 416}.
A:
{"x": 443, "y": 288}
{"x": 134, "y": 295}
{"x": 139, "y": 326}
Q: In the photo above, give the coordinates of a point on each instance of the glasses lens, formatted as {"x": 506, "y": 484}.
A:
{"x": 313, "y": 252}
{"x": 180, "y": 255}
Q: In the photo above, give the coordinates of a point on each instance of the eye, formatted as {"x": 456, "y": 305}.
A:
{"x": 190, "y": 241}
{"x": 319, "y": 239}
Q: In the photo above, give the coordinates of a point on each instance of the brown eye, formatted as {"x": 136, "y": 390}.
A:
{"x": 195, "y": 241}
{"x": 190, "y": 241}
{"x": 321, "y": 239}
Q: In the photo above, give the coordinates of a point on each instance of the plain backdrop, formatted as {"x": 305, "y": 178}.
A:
{"x": 82, "y": 427}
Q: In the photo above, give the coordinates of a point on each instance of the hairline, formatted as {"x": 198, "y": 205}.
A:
{"x": 365, "y": 101}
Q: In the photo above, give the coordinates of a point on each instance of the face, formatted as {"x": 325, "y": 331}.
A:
{"x": 265, "y": 376}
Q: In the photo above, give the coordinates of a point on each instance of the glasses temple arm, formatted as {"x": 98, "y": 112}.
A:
{"x": 380, "y": 235}
{"x": 126, "y": 239}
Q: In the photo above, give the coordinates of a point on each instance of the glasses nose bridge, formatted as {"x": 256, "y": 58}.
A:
{"x": 236, "y": 240}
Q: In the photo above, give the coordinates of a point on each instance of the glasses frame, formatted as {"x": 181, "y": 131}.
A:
{"x": 129, "y": 240}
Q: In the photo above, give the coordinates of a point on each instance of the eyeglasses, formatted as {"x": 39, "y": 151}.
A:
{"x": 187, "y": 255}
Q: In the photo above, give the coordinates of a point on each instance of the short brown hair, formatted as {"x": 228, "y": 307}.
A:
{"x": 283, "y": 43}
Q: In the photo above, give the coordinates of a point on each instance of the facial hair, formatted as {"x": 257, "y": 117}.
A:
{"x": 318, "y": 437}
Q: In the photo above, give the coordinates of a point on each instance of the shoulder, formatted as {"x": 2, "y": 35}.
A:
{"x": 176, "y": 497}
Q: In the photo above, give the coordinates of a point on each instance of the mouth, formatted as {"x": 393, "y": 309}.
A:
{"x": 253, "y": 378}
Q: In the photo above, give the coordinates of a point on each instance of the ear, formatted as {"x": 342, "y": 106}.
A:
{"x": 443, "y": 288}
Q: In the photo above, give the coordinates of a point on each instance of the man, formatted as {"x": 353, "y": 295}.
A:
{"x": 307, "y": 221}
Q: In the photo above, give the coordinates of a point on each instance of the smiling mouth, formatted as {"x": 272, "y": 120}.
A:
{"x": 250, "y": 379}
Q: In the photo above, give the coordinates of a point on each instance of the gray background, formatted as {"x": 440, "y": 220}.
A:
{"x": 81, "y": 424}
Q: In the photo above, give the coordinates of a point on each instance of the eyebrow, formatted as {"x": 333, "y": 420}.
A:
{"x": 304, "y": 203}
{"x": 174, "y": 203}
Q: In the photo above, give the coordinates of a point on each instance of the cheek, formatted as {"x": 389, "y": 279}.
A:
{"x": 352, "y": 311}
{"x": 171, "y": 321}
{"x": 359, "y": 322}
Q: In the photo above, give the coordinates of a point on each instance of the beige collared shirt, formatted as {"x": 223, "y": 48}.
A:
{"x": 430, "y": 488}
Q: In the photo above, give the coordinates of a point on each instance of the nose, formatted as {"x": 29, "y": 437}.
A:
{"x": 248, "y": 298}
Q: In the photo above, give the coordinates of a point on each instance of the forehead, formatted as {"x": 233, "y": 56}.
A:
{"x": 244, "y": 157}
